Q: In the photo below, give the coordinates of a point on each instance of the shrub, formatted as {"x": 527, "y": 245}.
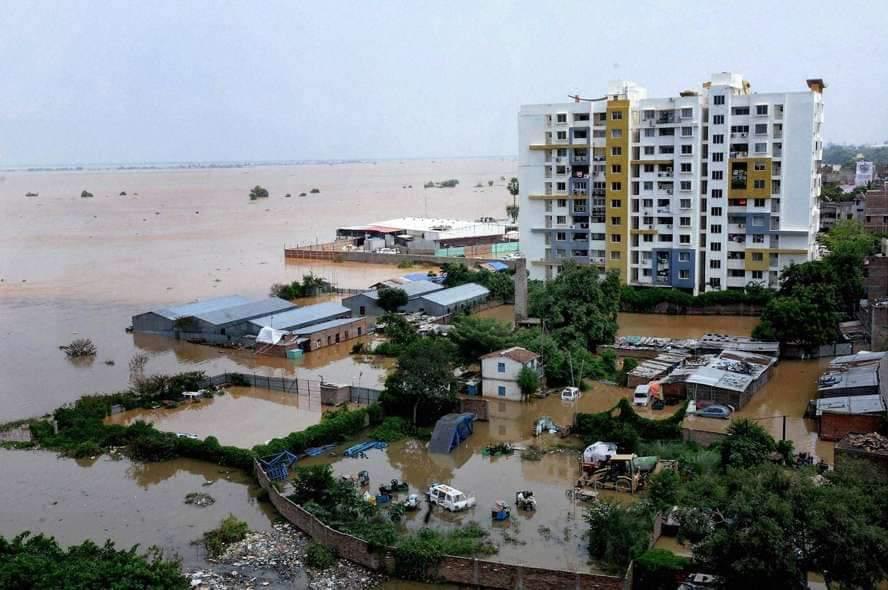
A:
{"x": 617, "y": 534}
{"x": 392, "y": 428}
{"x": 319, "y": 556}
{"x": 658, "y": 569}
{"x": 79, "y": 348}
{"x": 230, "y": 530}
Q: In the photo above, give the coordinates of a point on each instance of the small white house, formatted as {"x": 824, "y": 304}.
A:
{"x": 499, "y": 372}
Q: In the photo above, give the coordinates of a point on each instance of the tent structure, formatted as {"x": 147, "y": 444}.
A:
{"x": 268, "y": 335}
{"x": 276, "y": 466}
{"x": 450, "y": 430}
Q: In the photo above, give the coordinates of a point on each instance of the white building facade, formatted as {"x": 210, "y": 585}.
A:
{"x": 499, "y": 372}
{"x": 715, "y": 188}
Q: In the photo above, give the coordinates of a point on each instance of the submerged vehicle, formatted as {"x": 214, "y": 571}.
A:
{"x": 524, "y": 500}
{"x": 449, "y": 498}
{"x": 412, "y": 502}
{"x": 500, "y": 511}
{"x": 642, "y": 395}
{"x": 393, "y": 487}
{"x": 545, "y": 424}
{"x": 715, "y": 411}
{"x": 597, "y": 453}
{"x": 571, "y": 394}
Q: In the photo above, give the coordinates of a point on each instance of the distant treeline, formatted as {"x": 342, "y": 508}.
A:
{"x": 642, "y": 299}
{"x": 846, "y": 154}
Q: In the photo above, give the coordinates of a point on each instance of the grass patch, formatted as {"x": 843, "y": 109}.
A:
{"x": 230, "y": 530}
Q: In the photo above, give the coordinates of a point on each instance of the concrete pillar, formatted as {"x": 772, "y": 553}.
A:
{"x": 520, "y": 281}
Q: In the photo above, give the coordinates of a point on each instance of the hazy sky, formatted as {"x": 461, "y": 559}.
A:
{"x": 96, "y": 81}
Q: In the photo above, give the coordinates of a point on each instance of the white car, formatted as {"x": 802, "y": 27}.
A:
{"x": 642, "y": 395}
{"x": 571, "y": 394}
{"x": 449, "y": 498}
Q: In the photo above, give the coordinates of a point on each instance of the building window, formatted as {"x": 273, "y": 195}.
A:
{"x": 717, "y": 175}
{"x": 616, "y": 115}
{"x": 715, "y": 264}
{"x": 616, "y": 203}
{"x": 501, "y": 390}
{"x": 648, "y": 168}
{"x": 560, "y": 236}
{"x": 716, "y": 193}
{"x": 758, "y": 238}
{"x": 718, "y": 138}
{"x": 685, "y": 167}
{"x": 719, "y": 99}
{"x": 759, "y": 202}
{"x": 716, "y": 212}
{"x": 501, "y": 367}
{"x": 685, "y": 203}
{"x": 740, "y": 110}
{"x": 684, "y": 256}
{"x": 562, "y": 202}
{"x": 760, "y": 148}
{"x": 758, "y": 257}
{"x": 757, "y": 275}
{"x": 684, "y": 275}
{"x": 687, "y": 149}
{"x": 647, "y": 185}
{"x": 615, "y": 255}
{"x": 616, "y": 151}
{"x": 758, "y": 184}
{"x": 715, "y": 246}
{"x": 561, "y": 117}
{"x": 561, "y": 219}
{"x": 761, "y": 128}
{"x": 648, "y": 150}
{"x": 684, "y": 221}
{"x": 687, "y": 113}
{"x": 715, "y": 228}
{"x": 615, "y": 238}
{"x": 718, "y": 119}
{"x": 761, "y": 109}
{"x": 685, "y": 185}
{"x": 648, "y": 238}
{"x": 616, "y": 186}
{"x": 759, "y": 167}
{"x": 718, "y": 156}
{"x": 649, "y": 131}
{"x": 616, "y": 168}
{"x": 615, "y": 221}
{"x": 616, "y": 133}
{"x": 684, "y": 239}
{"x": 561, "y": 135}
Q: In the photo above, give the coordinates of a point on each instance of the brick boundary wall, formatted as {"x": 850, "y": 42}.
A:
{"x": 465, "y": 571}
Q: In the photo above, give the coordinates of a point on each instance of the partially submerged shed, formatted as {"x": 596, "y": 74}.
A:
{"x": 448, "y": 301}
{"x": 367, "y": 303}
{"x": 450, "y": 431}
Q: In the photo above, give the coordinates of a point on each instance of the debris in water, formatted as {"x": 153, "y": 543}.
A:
{"x": 199, "y": 499}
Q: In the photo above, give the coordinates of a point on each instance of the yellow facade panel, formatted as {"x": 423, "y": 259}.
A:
{"x": 749, "y": 178}
{"x": 617, "y": 187}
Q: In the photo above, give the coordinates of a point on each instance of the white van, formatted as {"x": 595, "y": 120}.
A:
{"x": 642, "y": 395}
{"x": 570, "y": 394}
{"x": 449, "y": 498}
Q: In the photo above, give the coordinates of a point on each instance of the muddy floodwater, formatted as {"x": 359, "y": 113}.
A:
{"x": 242, "y": 416}
{"x": 130, "y": 503}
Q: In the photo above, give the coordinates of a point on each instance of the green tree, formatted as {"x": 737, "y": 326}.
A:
{"x": 528, "y": 382}
{"x": 848, "y": 244}
{"x": 474, "y": 336}
{"x": 423, "y": 380}
{"x": 391, "y": 299}
{"x": 39, "y": 562}
{"x": 577, "y": 307}
{"x": 512, "y": 210}
{"x": 747, "y": 444}
{"x": 258, "y": 192}
{"x": 617, "y": 533}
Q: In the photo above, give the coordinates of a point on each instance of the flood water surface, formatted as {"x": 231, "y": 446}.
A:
{"x": 130, "y": 503}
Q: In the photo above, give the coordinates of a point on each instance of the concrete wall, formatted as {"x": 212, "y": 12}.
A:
{"x": 375, "y": 258}
{"x": 475, "y": 406}
{"x": 355, "y": 302}
{"x": 701, "y": 437}
{"x": 490, "y": 388}
{"x": 335, "y": 335}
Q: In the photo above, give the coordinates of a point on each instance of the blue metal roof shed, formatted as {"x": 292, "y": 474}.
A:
{"x": 451, "y": 300}
{"x": 413, "y": 289}
{"x": 244, "y": 311}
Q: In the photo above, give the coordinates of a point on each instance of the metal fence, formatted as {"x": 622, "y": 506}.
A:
{"x": 310, "y": 387}
{"x": 364, "y": 395}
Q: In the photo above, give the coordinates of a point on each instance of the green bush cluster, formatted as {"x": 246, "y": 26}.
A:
{"x": 230, "y": 530}
{"x": 319, "y": 556}
{"x": 40, "y": 562}
{"x": 334, "y": 427}
{"x": 659, "y": 569}
{"x": 392, "y": 428}
{"x": 642, "y": 299}
{"x": 309, "y": 286}
{"x": 416, "y": 555}
{"x": 627, "y": 428}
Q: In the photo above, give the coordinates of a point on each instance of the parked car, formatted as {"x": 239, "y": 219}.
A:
{"x": 571, "y": 394}
{"x": 449, "y": 498}
{"x": 716, "y": 411}
{"x": 698, "y": 582}
{"x": 642, "y": 395}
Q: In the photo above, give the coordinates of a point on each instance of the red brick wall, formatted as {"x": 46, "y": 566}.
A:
{"x": 835, "y": 426}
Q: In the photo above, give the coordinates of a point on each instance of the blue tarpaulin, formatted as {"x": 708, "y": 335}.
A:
{"x": 276, "y": 466}
{"x": 450, "y": 430}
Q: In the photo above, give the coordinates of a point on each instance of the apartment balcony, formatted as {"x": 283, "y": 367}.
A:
{"x": 778, "y": 134}
{"x": 736, "y": 239}
{"x": 738, "y": 155}
{"x": 777, "y": 152}
{"x": 665, "y": 174}
{"x": 739, "y": 134}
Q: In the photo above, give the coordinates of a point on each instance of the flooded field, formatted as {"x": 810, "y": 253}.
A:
{"x": 130, "y": 503}
{"x": 243, "y": 416}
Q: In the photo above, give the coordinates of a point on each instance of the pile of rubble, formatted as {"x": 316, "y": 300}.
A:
{"x": 276, "y": 559}
{"x": 872, "y": 442}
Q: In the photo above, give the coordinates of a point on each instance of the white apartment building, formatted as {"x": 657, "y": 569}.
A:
{"x": 712, "y": 189}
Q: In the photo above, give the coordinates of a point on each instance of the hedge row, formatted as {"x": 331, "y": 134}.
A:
{"x": 627, "y": 428}
{"x": 641, "y": 299}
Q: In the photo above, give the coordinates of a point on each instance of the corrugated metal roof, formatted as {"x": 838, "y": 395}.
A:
{"x": 315, "y": 328}
{"x": 457, "y": 294}
{"x": 302, "y": 316}
{"x": 856, "y": 404}
{"x": 199, "y": 307}
{"x": 245, "y": 311}
{"x": 413, "y": 289}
